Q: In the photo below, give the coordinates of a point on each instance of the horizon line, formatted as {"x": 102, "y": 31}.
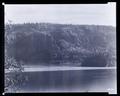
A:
{"x": 56, "y": 23}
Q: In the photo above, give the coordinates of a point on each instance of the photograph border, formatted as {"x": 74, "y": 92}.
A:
{"x": 54, "y": 2}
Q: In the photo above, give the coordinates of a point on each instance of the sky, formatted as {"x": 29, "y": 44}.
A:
{"x": 97, "y": 14}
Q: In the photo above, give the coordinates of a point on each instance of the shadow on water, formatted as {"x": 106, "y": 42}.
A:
{"x": 70, "y": 80}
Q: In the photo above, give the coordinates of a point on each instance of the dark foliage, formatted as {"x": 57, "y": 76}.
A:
{"x": 45, "y": 43}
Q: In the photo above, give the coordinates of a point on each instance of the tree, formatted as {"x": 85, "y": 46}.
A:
{"x": 11, "y": 65}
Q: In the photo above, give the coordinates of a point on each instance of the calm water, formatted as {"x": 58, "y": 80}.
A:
{"x": 70, "y": 81}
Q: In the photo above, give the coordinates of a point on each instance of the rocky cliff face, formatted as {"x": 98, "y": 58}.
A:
{"x": 59, "y": 44}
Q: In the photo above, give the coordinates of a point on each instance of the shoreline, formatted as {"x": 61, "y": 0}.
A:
{"x": 61, "y": 68}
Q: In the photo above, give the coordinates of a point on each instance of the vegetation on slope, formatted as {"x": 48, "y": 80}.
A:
{"x": 62, "y": 44}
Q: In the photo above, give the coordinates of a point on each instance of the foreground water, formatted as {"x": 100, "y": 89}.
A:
{"x": 74, "y": 80}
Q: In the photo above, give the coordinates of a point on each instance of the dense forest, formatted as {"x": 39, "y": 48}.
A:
{"x": 61, "y": 44}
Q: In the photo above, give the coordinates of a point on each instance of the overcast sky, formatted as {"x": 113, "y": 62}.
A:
{"x": 97, "y": 14}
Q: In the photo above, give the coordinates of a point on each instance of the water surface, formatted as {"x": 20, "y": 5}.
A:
{"x": 102, "y": 80}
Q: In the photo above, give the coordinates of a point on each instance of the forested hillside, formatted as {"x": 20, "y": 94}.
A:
{"x": 61, "y": 44}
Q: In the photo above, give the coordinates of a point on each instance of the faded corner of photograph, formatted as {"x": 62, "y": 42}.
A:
{"x": 60, "y": 48}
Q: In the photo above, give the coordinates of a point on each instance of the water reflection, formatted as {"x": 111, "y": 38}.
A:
{"x": 70, "y": 81}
